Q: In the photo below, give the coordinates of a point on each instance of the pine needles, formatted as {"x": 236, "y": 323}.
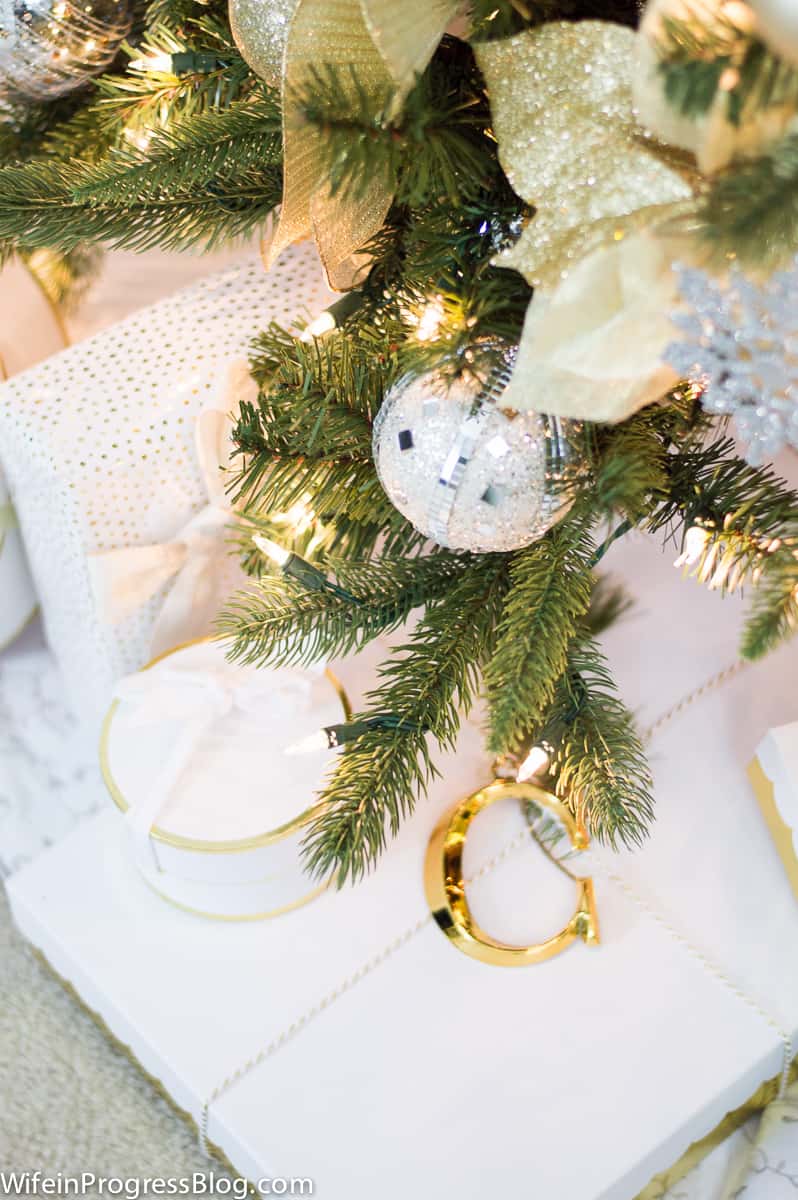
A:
{"x": 427, "y": 683}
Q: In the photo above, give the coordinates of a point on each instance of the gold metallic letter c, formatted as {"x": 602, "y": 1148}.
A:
{"x": 445, "y": 887}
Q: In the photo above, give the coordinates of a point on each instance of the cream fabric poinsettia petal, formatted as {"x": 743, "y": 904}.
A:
{"x": 407, "y": 34}
{"x": 593, "y": 348}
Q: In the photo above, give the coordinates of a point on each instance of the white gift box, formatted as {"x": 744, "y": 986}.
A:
{"x": 193, "y": 753}
{"x": 30, "y": 330}
{"x": 377, "y": 1060}
{"x": 17, "y": 596}
{"x": 774, "y": 775}
{"x": 100, "y": 449}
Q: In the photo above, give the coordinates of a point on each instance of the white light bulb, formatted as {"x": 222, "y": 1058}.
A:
{"x": 536, "y": 761}
{"x": 695, "y": 541}
{"x": 324, "y": 323}
{"x": 311, "y": 744}
{"x": 278, "y": 554}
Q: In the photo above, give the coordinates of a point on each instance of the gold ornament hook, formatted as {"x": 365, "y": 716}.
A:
{"x": 445, "y": 886}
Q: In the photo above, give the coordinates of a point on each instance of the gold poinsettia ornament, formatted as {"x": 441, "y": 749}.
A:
{"x": 569, "y": 143}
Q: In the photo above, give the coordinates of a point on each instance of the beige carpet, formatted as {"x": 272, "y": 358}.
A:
{"x": 69, "y": 1101}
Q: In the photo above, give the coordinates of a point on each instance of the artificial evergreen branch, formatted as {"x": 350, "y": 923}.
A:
{"x": 599, "y": 763}
{"x": 187, "y": 155}
{"x": 748, "y": 520}
{"x": 426, "y": 684}
{"x": 550, "y": 587}
{"x": 278, "y": 620}
{"x": 708, "y": 54}
{"x": 774, "y": 608}
{"x": 40, "y": 206}
{"x": 439, "y": 147}
{"x": 752, "y": 210}
{"x": 309, "y": 437}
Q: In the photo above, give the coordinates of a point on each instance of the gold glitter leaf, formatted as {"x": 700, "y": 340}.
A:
{"x": 569, "y": 144}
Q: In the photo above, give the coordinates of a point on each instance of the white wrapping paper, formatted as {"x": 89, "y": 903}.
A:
{"x": 99, "y": 447}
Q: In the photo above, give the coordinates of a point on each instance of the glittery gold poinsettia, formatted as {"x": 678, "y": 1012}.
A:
{"x": 595, "y": 329}
{"x": 386, "y": 45}
{"x": 561, "y": 102}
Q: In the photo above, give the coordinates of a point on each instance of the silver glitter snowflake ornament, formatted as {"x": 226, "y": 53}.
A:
{"x": 741, "y": 348}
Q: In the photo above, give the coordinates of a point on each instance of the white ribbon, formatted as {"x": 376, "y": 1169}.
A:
{"x": 195, "y": 700}
{"x": 123, "y": 580}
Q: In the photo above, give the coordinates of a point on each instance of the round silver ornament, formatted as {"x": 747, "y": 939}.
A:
{"x": 260, "y": 30}
{"x": 50, "y": 47}
{"x": 467, "y": 474}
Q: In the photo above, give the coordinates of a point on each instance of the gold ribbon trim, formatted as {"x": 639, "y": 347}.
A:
{"x": 377, "y": 47}
{"x": 334, "y": 33}
{"x": 8, "y": 521}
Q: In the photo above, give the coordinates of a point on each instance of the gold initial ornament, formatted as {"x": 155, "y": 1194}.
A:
{"x": 445, "y": 885}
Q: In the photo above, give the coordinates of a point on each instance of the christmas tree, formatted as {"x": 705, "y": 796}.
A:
{"x": 517, "y": 374}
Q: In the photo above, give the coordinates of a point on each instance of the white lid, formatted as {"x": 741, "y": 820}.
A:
{"x": 239, "y": 782}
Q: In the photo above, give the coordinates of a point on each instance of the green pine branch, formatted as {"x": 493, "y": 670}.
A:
{"x": 309, "y": 437}
{"x": 773, "y": 617}
{"x": 599, "y": 764}
{"x": 550, "y": 588}
{"x": 200, "y": 182}
{"x": 428, "y": 682}
{"x": 708, "y": 54}
{"x": 279, "y": 620}
{"x": 188, "y": 154}
{"x": 751, "y": 211}
{"x": 749, "y": 518}
{"x": 438, "y": 148}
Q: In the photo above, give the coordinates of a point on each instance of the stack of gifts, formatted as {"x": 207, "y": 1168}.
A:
{"x": 348, "y": 1041}
{"x": 367, "y": 1039}
{"x": 113, "y": 453}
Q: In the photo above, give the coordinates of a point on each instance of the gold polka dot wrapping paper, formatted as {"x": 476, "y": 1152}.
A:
{"x": 100, "y": 451}
{"x": 30, "y": 328}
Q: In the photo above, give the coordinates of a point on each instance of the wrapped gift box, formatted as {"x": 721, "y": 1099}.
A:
{"x": 377, "y": 1060}
{"x": 99, "y": 446}
{"x": 30, "y": 329}
{"x": 192, "y": 728}
{"x": 17, "y": 596}
{"x": 774, "y": 775}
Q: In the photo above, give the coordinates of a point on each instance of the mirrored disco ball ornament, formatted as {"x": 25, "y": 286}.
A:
{"x": 467, "y": 474}
{"x": 50, "y": 47}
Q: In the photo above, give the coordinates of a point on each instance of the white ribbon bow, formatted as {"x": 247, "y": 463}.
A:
{"x": 122, "y": 580}
{"x": 197, "y": 699}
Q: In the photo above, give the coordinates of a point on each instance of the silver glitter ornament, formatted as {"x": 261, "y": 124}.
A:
{"x": 740, "y": 346}
{"x": 467, "y": 474}
{"x": 260, "y": 30}
{"x": 51, "y": 47}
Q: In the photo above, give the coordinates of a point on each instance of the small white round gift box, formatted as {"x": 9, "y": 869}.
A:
{"x": 193, "y": 752}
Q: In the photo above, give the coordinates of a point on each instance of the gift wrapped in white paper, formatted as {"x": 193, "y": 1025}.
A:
{"x": 100, "y": 447}
{"x": 192, "y": 728}
{"x": 30, "y": 329}
{"x": 774, "y": 775}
